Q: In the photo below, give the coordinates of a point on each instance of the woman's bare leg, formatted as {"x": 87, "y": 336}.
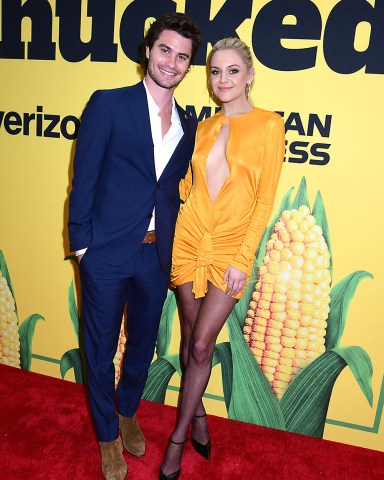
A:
{"x": 212, "y": 314}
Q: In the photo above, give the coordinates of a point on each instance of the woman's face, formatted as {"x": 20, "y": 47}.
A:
{"x": 229, "y": 75}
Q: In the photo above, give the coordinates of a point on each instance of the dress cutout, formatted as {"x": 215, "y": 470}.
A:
{"x": 210, "y": 235}
{"x": 217, "y": 169}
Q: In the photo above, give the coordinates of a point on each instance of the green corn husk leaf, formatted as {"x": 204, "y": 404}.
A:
{"x": 166, "y": 323}
{"x": 159, "y": 374}
{"x": 341, "y": 296}
{"x": 319, "y": 213}
{"x": 252, "y": 398}
{"x": 301, "y": 197}
{"x": 5, "y": 273}
{"x": 73, "y": 311}
{"x": 242, "y": 305}
{"x": 216, "y": 357}
{"x": 305, "y": 403}
{"x": 361, "y": 366}
{"x": 26, "y": 331}
{"x": 224, "y": 354}
{"x": 72, "y": 359}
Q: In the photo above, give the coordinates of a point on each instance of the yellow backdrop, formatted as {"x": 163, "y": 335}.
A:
{"x": 327, "y": 85}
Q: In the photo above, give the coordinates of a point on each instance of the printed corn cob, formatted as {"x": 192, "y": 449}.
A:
{"x": 286, "y": 323}
{"x": 9, "y": 333}
{"x": 118, "y": 359}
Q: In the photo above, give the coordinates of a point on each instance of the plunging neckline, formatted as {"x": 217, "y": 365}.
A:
{"x": 217, "y": 132}
{"x": 222, "y": 119}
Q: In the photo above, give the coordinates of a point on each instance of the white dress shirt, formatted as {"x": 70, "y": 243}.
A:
{"x": 163, "y": 147}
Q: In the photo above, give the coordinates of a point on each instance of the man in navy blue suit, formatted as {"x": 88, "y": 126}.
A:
{"x": 133, "y": 148}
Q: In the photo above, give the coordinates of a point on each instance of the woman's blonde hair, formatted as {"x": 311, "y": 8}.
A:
{"x": 242, "y": 49}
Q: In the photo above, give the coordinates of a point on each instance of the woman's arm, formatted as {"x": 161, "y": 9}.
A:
{"x": 266, "y": 191}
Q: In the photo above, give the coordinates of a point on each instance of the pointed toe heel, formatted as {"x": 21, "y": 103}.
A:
{"x": 174, "y": 475}
{"x": 171, "y": 476}
{"x": 203, "y": 449}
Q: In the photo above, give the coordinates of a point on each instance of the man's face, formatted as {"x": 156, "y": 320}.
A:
{"x": 169, "y": 58}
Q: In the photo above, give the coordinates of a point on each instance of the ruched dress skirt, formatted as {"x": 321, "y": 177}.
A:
{"x": 210, "y": 236}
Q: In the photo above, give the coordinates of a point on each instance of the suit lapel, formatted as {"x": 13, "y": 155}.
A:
{"x": 180, "y": 145}
{"x": 138, "y": 108}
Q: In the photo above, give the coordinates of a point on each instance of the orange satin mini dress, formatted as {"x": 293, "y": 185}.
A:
{"x": 209, "y": 236}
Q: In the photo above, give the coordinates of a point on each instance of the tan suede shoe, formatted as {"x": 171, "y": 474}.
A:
{"x": 133, "y": 438}
{"x": 112, "y": 461}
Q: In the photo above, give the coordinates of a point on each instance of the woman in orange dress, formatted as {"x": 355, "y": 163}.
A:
{"x": 228, "y": 195}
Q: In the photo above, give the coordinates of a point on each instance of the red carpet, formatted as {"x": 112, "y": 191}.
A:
{"x": 45, "y": 433}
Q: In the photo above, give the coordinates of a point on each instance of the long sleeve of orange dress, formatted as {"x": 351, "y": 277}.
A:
{"x": 212, "y": 235}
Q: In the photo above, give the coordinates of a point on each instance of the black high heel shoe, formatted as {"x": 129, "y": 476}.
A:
{"x": 174, "y": 475}
{"x": 203, "y": 449}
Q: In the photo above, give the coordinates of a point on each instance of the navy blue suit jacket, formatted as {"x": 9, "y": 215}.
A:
{"x": 114, "y": 189}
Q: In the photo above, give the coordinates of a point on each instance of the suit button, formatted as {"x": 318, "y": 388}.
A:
{"x": 157, "y": 185}
{"x": 150, "y": 216}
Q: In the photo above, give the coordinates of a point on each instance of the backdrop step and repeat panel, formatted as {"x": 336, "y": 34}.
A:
{"x": 320, "y": 65}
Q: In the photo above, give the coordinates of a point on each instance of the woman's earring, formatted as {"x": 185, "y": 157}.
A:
{"x": 247, "y": 89}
